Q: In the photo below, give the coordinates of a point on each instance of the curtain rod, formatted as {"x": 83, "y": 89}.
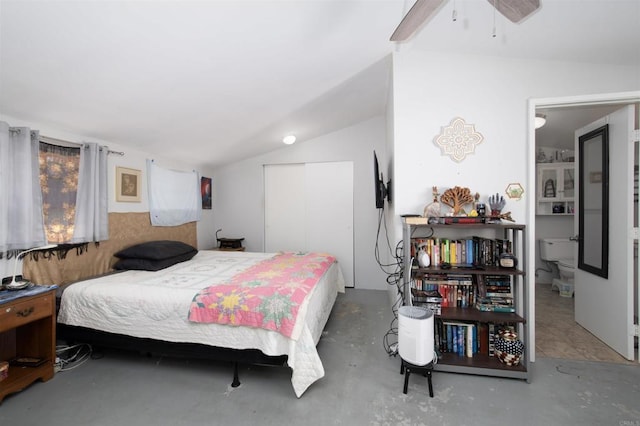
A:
{"x": 73, "y": 144}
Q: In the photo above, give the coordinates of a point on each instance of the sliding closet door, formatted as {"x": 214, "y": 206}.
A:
{"x": 284, "y": 208}
{"x": 330, "y": 212}
{"x": 309, "y": 207}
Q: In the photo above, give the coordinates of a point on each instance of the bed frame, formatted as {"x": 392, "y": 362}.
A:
{"x": 98, "y": 338}
{"x": 126, "y": 229}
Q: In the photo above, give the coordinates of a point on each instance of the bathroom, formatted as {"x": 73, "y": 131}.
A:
{"x": 555, "y": 194}
{"x": 558, "y": 335}
{"x": 555, "y": 250}
{"x": 555, "y": 197}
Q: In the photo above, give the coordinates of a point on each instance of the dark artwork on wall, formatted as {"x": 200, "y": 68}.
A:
{"x": 205, "y": 190}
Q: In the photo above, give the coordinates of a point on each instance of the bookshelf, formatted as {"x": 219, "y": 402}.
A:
{"x": 466, "y": 279}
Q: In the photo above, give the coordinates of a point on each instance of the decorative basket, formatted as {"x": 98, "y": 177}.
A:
{"x": 508, "y": 359}
{"x": 4, "y": 370}
{"x": 508, "y": 348}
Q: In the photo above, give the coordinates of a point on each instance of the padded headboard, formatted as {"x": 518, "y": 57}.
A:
{"x": 125, "y": 229}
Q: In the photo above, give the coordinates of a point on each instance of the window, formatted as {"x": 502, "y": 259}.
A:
{"x": 59, "y": 168}
{"x": 71, "y": 179}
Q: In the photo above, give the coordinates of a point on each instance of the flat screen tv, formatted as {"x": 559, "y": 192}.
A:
{"x": 381, "y": 190}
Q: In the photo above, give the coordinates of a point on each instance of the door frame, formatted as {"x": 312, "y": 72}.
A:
{"x": 557, "y": 102}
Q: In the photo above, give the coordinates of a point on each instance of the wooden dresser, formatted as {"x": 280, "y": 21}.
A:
{"x": 28, "y": 332}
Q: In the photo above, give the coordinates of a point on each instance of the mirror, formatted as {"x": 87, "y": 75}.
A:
{"x": 593, "y": 214}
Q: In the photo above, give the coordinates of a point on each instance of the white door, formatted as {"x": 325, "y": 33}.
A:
{"x": 309, "y": 207}
{"x": 284, "y": 208}
{"x": 604, "y": 279}
{"x": 330, "y": 212}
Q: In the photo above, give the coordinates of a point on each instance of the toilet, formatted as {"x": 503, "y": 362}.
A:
{"x": 560, "y": 251}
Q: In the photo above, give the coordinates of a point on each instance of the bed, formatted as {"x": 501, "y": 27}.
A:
{"x": 150, "y": 311}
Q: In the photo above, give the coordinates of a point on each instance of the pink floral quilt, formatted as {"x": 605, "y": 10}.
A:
{"x": 267, "y": 295}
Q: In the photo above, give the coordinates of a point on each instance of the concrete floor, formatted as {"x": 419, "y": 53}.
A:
{"x": 362, "y": 386}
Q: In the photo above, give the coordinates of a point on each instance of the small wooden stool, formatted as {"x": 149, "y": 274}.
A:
{"x": 407, "y": 368}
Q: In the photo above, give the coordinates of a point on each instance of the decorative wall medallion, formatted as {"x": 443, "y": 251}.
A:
{"x": 458, "y": 139}
{"x": 514, "y": 190}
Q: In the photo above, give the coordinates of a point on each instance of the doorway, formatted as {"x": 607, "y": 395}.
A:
{"x": 555, "y": 323}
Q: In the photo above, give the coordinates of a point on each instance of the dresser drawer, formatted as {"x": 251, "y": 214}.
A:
{"x": 25, "y": 311}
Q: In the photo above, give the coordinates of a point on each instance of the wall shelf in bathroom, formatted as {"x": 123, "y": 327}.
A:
{"x": 555, "y": 189}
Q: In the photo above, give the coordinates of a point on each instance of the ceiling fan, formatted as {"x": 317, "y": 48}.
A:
{"x": 421, "y": 11}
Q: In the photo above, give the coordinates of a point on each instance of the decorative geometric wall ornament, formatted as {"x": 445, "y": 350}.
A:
{"x": 458, "y": 139}
{"x": 514, "y": 190}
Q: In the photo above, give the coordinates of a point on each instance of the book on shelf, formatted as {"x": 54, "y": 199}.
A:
{"x": 430, "y": 299}
{"x": 463, "y": 219}
{"x": 492, "y": 294}
{"x": 487, "y": 251}
{"x": 436, "y": 308}
{"x": 483, "y": 338}
{"x": 494, "y": 285}
{"x": 475, "y": 251}
{"x": 492, "y": 339}
{"x": 498, "y": 292}
{"x": 460, "y": 338}
{"x": 497, "y": 279}
{"x": 469, "y": 332}
{"x": 495, "y": 304}
{"x": 416, "y": 220}
{"x": 446, "y": 220}
{"x": 455, "y": 290}
{"x": 501, "y": 290}
{"x": 432, "y": 296}
{"x": 467, "y": 338}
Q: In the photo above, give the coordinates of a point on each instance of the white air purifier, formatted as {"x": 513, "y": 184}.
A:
{"x": 415, "y": 335}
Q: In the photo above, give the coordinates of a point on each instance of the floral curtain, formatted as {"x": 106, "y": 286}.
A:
{"x": 59, "y": 182}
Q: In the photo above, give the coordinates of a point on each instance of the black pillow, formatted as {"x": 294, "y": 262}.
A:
{"x": 155, "y": 250}
{"x": 153, "y": 264}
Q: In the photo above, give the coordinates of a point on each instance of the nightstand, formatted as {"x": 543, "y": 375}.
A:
{"x": 228, "y": 249}
{"x": 28, "y": 332}
{"x": 230, "y": 244}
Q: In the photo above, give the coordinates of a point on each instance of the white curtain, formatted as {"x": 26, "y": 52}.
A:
{"x": 21, "y": 222}
{"x": 92, "y": 220}
{"x": 174, "y": 196}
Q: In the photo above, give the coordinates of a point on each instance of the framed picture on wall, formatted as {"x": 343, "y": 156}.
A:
{"x": 205, "y": 189}
{"x": 128, "y": 185}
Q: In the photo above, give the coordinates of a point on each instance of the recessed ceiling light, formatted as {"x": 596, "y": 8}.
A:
{"x": 289, "y": 139}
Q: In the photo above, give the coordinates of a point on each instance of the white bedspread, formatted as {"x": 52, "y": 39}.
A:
{"x": 156, "y": 304}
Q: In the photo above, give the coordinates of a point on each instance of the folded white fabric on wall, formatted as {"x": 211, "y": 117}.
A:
{"x": 174, "y": 196}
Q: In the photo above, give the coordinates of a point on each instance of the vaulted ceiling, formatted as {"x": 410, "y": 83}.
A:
{"x": 210, "y": 82}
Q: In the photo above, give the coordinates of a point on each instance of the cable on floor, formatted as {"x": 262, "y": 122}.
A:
{"x": 69, "y": 357}
{"x": 395, "y": 274}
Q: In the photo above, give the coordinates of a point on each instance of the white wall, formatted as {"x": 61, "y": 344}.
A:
{"x": 238, "y": 193}
{"x": 492, "y": 93}
{"x": 132, "y": 159}
{"x": 430, "y": 89}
